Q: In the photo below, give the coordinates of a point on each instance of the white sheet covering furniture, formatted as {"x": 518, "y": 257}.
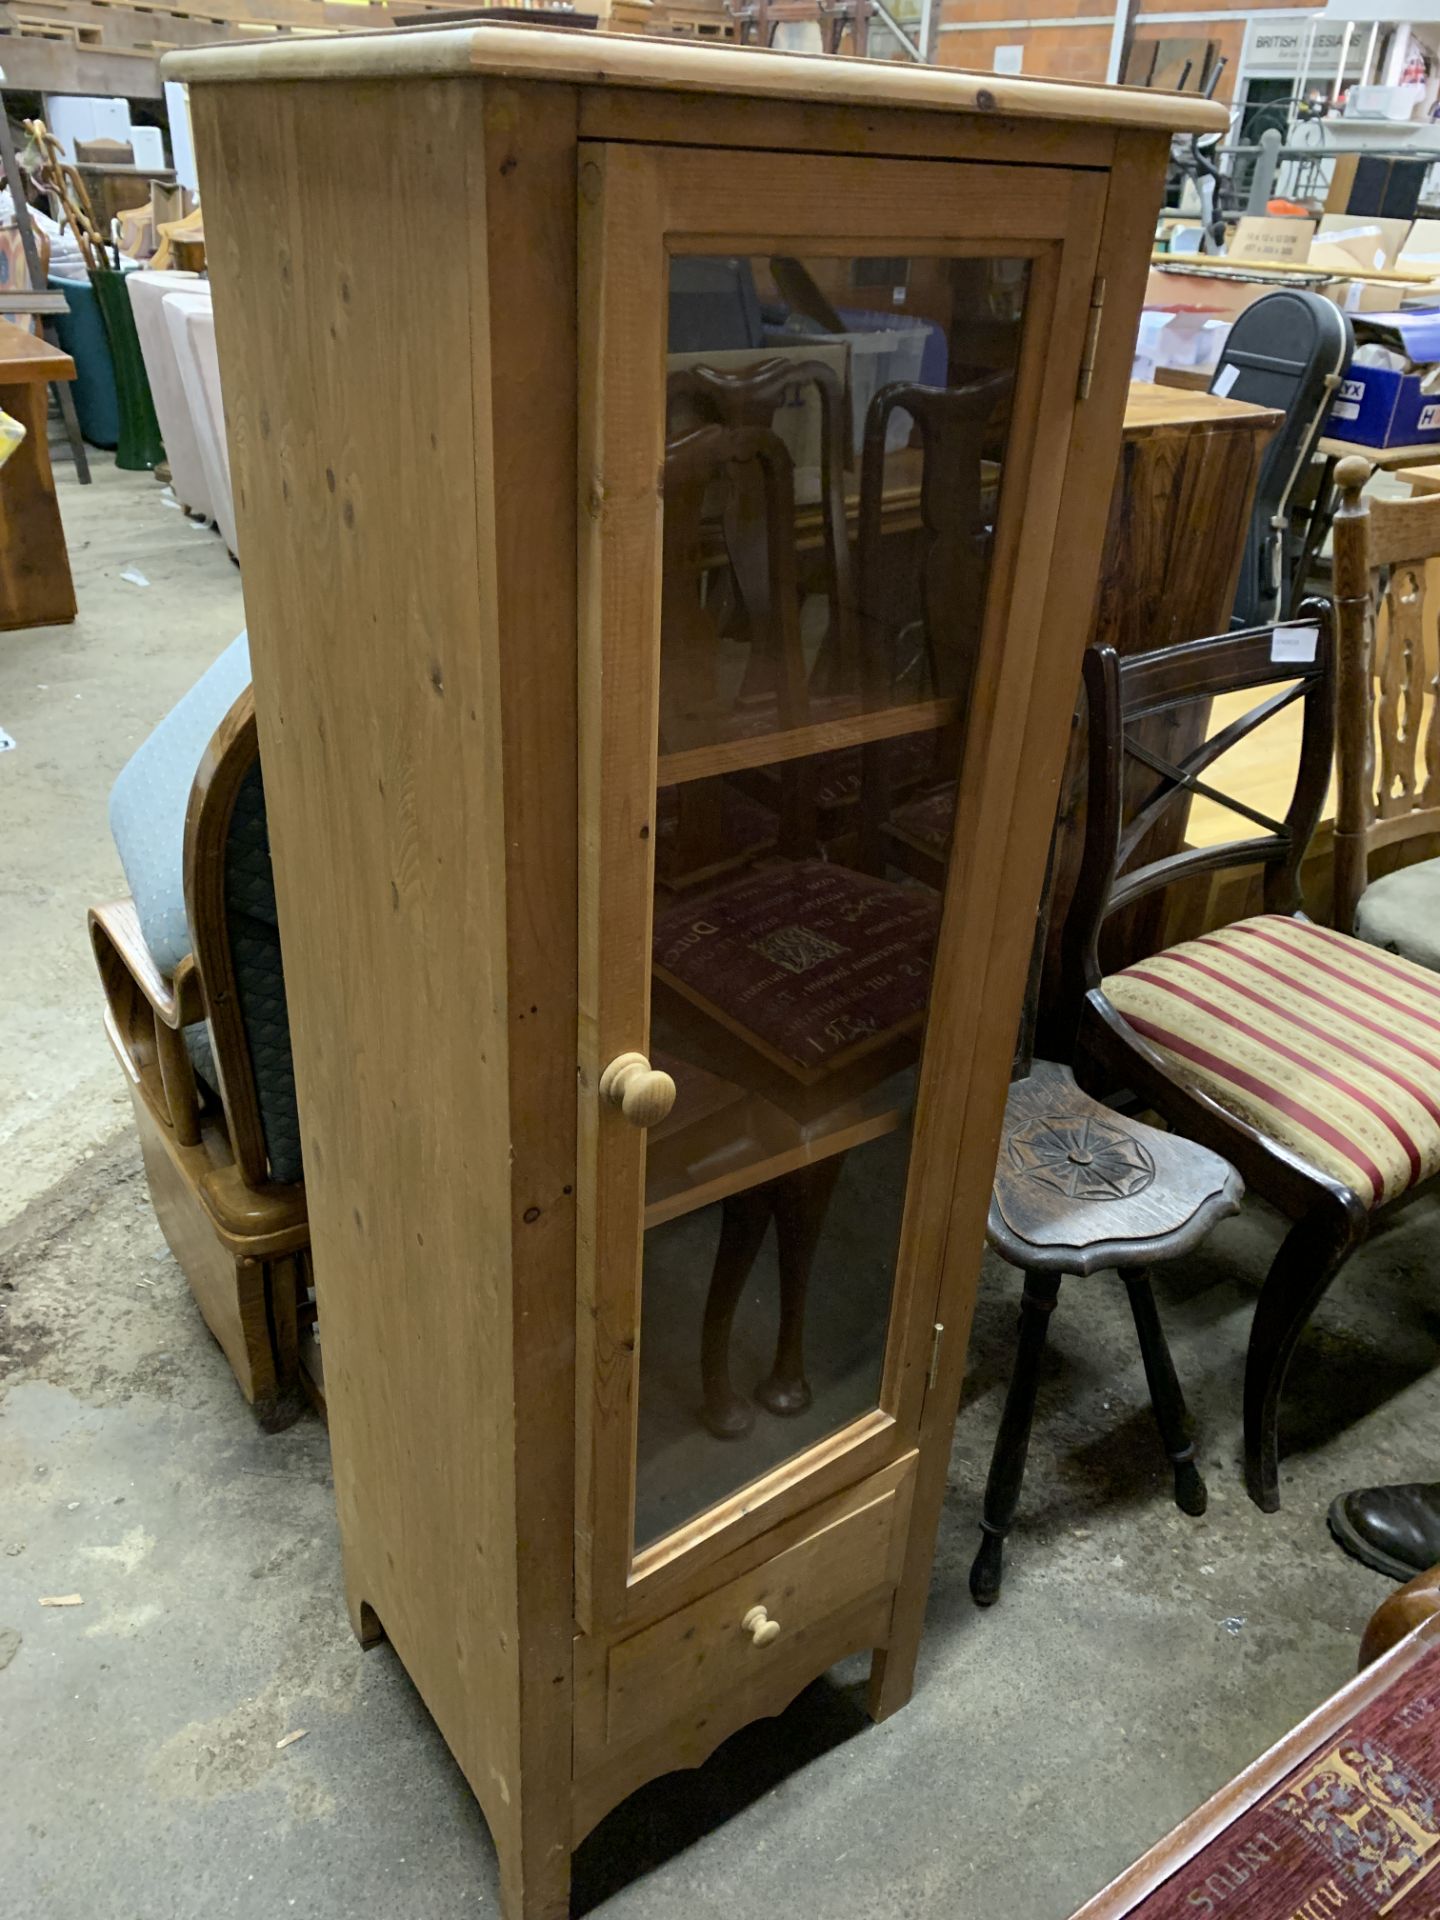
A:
{"x": 148, "y": 292}
{"x": 191, "y": 321}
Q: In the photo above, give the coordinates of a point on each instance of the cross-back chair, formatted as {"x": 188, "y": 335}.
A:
{"x": 1387, "y": 735}
{"x": 1304, "y": 1056}
{"x": 205, "y": 1052}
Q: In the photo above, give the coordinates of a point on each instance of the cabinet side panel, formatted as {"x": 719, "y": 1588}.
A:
{"x": 1027, "y": 754}
{"x": 529, "y": 251}
{"x": 354, "y": 352}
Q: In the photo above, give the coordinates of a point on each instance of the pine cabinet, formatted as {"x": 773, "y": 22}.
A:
{"x": 670, "y": 484}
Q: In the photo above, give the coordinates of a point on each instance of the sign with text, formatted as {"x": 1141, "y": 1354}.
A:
{"x": 1278, "y": 47}
{"x": 1263, "y": 237}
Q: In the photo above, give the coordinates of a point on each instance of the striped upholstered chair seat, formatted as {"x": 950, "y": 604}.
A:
{"x": 1324, "y": 1044}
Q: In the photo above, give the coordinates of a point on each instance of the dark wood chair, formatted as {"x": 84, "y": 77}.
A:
{"x": 1304, "y": 1056}
{"x": 1387, "y": 733}
{"x": 242, "y": 1238}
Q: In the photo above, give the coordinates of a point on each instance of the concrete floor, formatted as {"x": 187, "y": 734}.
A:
{"x": 1137, "y": 1659}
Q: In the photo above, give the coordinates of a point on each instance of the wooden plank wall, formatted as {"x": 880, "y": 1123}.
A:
{"x": 1074, "y": 44}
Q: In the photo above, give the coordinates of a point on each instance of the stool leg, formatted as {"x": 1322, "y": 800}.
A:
{"x": 1012, "y": 1443}
{"x": 1165, "y": 1395}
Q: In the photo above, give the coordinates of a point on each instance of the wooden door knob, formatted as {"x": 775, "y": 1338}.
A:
{"x": 643, "y": 1094}
{"x": 760, "y": 1627}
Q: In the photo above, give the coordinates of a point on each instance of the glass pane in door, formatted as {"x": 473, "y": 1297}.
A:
{"x": 836, "y": 433}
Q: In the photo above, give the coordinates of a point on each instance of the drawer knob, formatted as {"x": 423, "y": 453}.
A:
{"x": 760, "y": 1627}
{"x": 643, "y": 1094}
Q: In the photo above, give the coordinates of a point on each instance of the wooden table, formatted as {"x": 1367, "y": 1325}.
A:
{"x": 1332, "y": 449}
{"x": 35, "y": 585}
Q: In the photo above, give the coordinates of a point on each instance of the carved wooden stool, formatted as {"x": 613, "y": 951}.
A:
{"x": 1079, "y": 1187}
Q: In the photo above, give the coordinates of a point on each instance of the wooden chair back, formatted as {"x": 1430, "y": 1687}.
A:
{"x": 920, "y": 603}
{"x": 921, "y": 595}
{"x": 741, "y": 475}
{"x": 233, "y": 751}
{"x": 1121, "y": 694}
{"x": 700, "y": 396}
{"x": 1387, "y": 737}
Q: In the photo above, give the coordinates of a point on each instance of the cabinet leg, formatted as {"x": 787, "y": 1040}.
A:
{"x": 892, "y": 1677}
{"x": 1165, "y": 1394}
{"x": 535, "y": 1867}
{"x": 744, "y": 1219}
{"x": 800, "y": 1201}
{"x": 364, "y": 1621}
{"x": 1012, "y": 1443}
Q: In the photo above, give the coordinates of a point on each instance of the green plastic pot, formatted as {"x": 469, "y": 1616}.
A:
{"x": 140, "y": 446}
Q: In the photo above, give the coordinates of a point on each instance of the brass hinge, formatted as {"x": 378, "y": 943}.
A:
{"x": 935, "y": 1356}
{"x": 1092, "y": 338}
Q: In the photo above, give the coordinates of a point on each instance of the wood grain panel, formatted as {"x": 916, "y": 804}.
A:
{"x": 700, "y": 1652}
{"x": 35, "y": 585}
{"x": 360, "y": 441}
{"x": 672, "y": 65}
{"x": 528, "y": 194}
{"x": 623, "y": 113}
{"x": 632, "y": 199}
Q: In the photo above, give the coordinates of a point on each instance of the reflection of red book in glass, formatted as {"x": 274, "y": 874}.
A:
{"x": 810, "y": 962}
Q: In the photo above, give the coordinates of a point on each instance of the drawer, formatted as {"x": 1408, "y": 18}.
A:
{"x": 703, "y": 1655}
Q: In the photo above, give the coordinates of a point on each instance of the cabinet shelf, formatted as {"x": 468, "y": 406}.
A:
{"x": 798, "y": 743}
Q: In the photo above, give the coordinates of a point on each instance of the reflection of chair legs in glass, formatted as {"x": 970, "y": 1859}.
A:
{"x": 797, "y": 1203}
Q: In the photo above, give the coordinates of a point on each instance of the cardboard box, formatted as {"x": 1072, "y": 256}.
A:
{"x": 1262, "y": 239}
{"x": 1379, "y": 296}
{"x": 1217, "y": 293}
{"x": 1379, "y": 408}
{"x": 1190, "y": 339}
{"x": 1346, "y": 244}
{"x": 1420, "y": 254}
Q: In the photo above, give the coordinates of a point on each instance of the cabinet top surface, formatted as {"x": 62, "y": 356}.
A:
{"x": 687, "y": 66}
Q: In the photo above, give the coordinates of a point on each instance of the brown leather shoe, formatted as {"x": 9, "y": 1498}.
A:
{"x": 1395, "y": 1530}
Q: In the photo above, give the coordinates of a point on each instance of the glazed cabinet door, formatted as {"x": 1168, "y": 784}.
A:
{"x": 825, "y": 412}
